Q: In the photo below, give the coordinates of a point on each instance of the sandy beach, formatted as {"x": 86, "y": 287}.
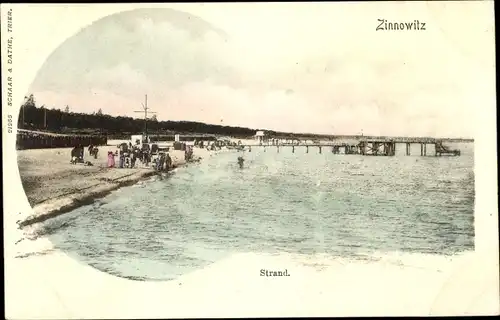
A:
{"x": 54, "y": 186}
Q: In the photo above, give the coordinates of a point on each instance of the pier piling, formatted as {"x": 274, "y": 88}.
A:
{"x": 375, "y": 147}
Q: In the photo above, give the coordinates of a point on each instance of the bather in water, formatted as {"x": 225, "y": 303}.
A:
{"x": 241, "y": 161}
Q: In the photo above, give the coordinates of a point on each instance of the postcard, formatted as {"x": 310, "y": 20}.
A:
{"x": 199, "y": 160}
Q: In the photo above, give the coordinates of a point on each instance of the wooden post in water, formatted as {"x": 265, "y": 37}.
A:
{"x": 375, "y": 147}
{"x": 408, "y": 148}
{"x": 320, "y": 149}
{"x": 362, "y": 148}
{"x": 293, "y": 149}
{"x": 307, "y": 149}
{"x": 278, "y": 148}
{"x": 421, "y": 149}
{"x": 425, "y": 149}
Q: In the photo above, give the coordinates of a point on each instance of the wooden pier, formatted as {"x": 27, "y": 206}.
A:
{"x": 368, "y": 146}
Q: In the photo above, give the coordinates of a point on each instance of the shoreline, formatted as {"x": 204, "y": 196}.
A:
{"x": 103, "y": 181}
{"x": 66, "y": 203}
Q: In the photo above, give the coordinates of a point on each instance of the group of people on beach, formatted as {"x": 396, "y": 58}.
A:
{"x": 77, "y": 154}
{"x": 163, "y": 162}
{"x": 129, "y": 155}
{"x": 146, "y": 155}
{"x": 93, "y": 151}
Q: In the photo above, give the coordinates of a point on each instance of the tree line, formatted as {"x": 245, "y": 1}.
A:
{"x": 32, "y": 117}
{"x": 41, "y": 118}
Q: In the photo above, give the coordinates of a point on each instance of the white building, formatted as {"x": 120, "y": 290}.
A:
{"x": 139, "y": 139}
{"x": 260, "y": 136}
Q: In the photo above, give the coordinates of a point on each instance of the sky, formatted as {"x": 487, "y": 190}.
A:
{"x": 310, "y": 67}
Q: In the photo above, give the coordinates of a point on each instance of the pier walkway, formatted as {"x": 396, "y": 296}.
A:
{"x": 368, "y": 145}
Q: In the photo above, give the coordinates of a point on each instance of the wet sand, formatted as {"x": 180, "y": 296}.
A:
{"x": 54, "y": 186}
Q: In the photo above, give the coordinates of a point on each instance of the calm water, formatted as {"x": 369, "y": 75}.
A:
{"x": 298, "y": 203}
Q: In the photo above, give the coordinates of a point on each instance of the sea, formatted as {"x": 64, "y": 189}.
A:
{"x": 348, "y": 207}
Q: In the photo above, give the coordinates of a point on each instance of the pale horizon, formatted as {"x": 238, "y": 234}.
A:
{"x": 361, "y": 133}
{"x": 305, "y": 68}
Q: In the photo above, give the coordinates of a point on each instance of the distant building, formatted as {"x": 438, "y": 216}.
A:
{"x": 260, "y": 136}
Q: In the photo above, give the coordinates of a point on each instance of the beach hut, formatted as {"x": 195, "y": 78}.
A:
{"x": 260, "y": 136}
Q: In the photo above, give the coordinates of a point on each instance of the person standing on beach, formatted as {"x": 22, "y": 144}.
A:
{"x": 111, "y": 159}
{"x": 168, "y": 162}
{"x": 74, "y": 155}
{"x": 140, "y": 156}
{"x": 135, "y": 155}
{"x": 95, "y": 151}
{"x": 81, "y": 152}
{"x": 188, "y": 153}
{"x": 161, "y": 162}
{"x": 132, "y": 159}
{"x": 122, "y": 159}
{"x": 146, "y": 154}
